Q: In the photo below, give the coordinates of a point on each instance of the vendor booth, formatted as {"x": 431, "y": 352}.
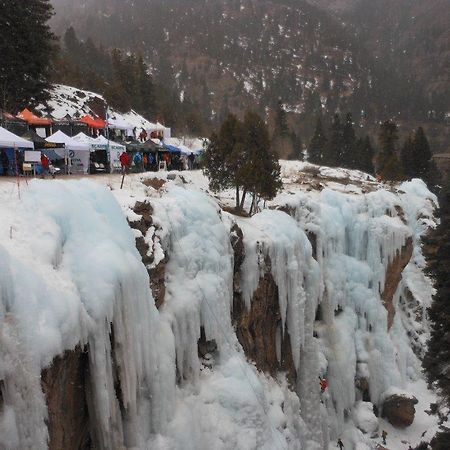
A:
{"x": 98, "y": 158}
{"x": 12, "y": 149}
{"x": 114, "y": 151}
{"x": 76, "y": 154}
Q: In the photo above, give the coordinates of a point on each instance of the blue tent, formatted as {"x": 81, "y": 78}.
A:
{"x": 171, "y": 149}
{"x": 52, "y": 155}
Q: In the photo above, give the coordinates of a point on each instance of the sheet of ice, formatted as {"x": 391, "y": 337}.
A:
{"x": 71, "y": 271}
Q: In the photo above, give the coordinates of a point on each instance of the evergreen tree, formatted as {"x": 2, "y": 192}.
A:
{"x": 240, "y": 156}
{"x": 334, "y": 148}
{"x": 26, "y": 47}
{"x": 364, "y": 155}
{"x": 224, "y": 157}
{"x": 260, "y": 174}
{"x": 406, "y": 157}
{"x": 281, "y": 125}
{"x": 421, "y": 155}
{"x": 348, "y": 155}
{"x": 318, "y": 144}
{"x": 436, "y": 361}
{"x": 282, "y": 140}
{"x": 298, "y": 146}
{"x": 388, "y": 165}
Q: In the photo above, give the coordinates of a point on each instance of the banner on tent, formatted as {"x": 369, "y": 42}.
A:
{"x": 79, "y": 161}
{"x": 32, "y": 156}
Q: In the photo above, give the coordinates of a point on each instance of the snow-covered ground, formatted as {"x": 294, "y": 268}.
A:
{"x": 68, "y": 262}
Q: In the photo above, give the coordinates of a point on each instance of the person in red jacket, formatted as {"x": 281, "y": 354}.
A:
{"x": 124, "y": 161}
{"x": 45, "y": 164}
{"x": 323, "y": 384}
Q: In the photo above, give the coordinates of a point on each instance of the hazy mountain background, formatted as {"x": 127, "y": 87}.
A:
{"x": 376, "y": 58}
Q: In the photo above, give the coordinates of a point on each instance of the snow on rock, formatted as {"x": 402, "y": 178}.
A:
{"x": 364, "y": 417}
{"x": 71, "y": 274}
{"x": 329, "y": 248}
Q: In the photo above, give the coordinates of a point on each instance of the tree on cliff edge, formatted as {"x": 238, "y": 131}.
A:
{"x": 26, "y": 46}
{"x": 239, "y": 156}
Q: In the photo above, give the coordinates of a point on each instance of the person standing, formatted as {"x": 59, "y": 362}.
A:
{"x": 45, "y": 164}
{"x": 191, "y": 161}
{"x": 124, "y": 161}
{"x": 340, "y": 444}
{"x": 4, "y": 162}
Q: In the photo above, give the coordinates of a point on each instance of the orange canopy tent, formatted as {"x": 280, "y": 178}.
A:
{"x": 32, "y": 119}
{"x": 93, "y": 123}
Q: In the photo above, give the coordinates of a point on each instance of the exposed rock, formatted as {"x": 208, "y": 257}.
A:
{"x": 399, "y": 410}
{"x": 362, "y": 383}
{"x": 157, "y": 274}
{"x": 237, "y": 243}
{"x": 64, "y": 384}
{"x": 393, "y": 277}
{"x": 257, "y": 327}
{"x": 155, "y": 183}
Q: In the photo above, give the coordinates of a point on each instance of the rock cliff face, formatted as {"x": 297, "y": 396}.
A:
{"x": 66, "y": 388}
{"x": 325, "y": 287}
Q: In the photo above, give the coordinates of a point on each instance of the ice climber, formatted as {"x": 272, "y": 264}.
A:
{"x": 340, "y": 444}
{"x": 323, "y": 384}
{"x": 384, "y": 436}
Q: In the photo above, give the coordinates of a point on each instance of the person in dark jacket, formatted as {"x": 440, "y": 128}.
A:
{"x": 340, "y": 444}
{"x": 4, "y": 162}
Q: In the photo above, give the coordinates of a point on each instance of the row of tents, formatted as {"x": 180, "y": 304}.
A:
{"x": 79, "y": 154}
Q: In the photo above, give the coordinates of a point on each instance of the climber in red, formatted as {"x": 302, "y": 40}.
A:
{"x": 124, "y": 160}
{"x": 323, "y": 384}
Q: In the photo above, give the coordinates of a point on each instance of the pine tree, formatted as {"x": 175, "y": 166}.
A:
{"x": 334, "y": 148}
{"x": 436, "y": 361}
{"x": 364, "y": 155}
{"x": 26, "y": 47}
{"x": 240, "y": 156}
{"x": 348, "y": 154}
{"x": 388, "y": 165}
{"x": 421, "y": 155}
{"x": 224, "y": 157}
{"x": 282, "y": 140}
{"x": 281, "y": 125}
{"x": 260, "y": 175}
{"x": 318, "y": 144}
{"x": 406, "y": 157}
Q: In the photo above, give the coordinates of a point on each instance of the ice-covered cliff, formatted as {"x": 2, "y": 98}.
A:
{"x": 326, "y": 281}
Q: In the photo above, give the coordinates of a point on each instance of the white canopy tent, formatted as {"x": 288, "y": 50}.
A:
{"x": 114, "y": 150}
{"x": 76, "y": 153}
{"x": 10, "y": 140}
{"x": 119, "y": 123}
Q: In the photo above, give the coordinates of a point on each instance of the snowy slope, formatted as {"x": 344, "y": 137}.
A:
{"x": 83, "y": 271}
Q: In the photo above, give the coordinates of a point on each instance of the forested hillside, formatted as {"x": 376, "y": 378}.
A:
{"x": 230, "y": 55}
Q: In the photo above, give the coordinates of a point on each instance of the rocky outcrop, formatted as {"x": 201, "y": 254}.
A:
{"x": 257, "y": 327}
{"x": 393, "y": 277}
{"x": 65, "y": 386}
{"x": 399, "y": 410}
{"x": 156, "y": 273}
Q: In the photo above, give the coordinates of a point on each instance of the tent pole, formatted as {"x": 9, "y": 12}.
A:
{"x": 17, "y": 170}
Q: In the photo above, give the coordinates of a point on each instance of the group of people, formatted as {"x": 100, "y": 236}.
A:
{"x": 149, "y": 161}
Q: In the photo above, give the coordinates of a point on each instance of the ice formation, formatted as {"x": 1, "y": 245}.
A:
{"x": 70, "y": 275}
